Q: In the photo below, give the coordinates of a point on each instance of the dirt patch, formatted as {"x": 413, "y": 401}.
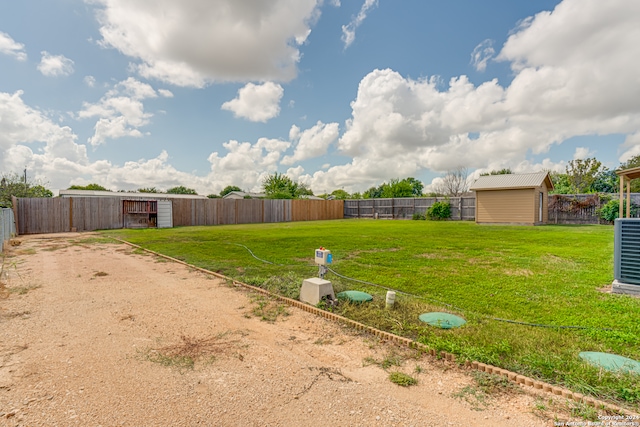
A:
{"x": 153, "y": 343}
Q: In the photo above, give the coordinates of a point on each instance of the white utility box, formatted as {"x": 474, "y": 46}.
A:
{"x": 314, "y": 289}
{"x": 323, "y": 256}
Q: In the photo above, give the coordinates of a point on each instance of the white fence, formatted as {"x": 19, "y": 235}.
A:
{"x": 7, "y": 226}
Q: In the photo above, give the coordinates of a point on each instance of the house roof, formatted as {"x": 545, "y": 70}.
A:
{"x": 243, "y": 194}
{"x": 123, "y": 195}
{"x": 508, "y": 181}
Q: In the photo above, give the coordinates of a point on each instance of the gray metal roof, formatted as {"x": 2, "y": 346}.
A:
{"x": 123, "y": 195}
{"x": 501, "y": 182}
{"x": 243, "y": 194}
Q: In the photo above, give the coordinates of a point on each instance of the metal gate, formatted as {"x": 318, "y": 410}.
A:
{"x": 165, "y": 214}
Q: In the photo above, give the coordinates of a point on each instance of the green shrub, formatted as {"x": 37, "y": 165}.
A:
{"x": 417, "y": 216}
{"x": 611, "y": 209}
{"x": 439, "y": 211}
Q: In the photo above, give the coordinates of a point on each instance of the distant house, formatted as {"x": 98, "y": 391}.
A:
{"x": 512, "y": 198}
{"x": 244, "y": 195}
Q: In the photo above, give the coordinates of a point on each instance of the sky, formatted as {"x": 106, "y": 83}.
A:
{"x": 337, "y": 94}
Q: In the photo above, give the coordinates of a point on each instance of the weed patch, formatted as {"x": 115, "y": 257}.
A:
{"x": 268, "y": 309}
{"x": 184, "y": 355}
{"x": 402, "y": 379}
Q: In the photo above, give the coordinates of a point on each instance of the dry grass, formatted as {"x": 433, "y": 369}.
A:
{"x": 190, "y": 350}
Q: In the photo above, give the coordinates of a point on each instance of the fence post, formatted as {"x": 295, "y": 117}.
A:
{"x": 460, "y": 207}
{"x": 14, "y": 204}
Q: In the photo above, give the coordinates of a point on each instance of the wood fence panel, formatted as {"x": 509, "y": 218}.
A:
{"x": 403, "y": 208}
{"x": 211, "y": 206}
{"x": 249, "y": 211}
{"x": 227, "y": 211}
{"x": 277, "y": 210}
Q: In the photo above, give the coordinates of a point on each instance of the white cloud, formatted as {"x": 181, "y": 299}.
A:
{"x": 631, "y": 146}
{"x": 90, "y": 81}
{"x": 575, "y": 73}
{"x": 166, "y": 93}
{"x": 257, "y": 103}
{"x": 55, "y": 65}
{"x": 246, "y": 165}
{"x": 21, "y": 127}
{"x": 349, "y": 30}
{"x": 335, "y": 3}
{"x": 482, "y": 54}
{"x": 195, "y": 42}
{"x": 8, "y": 46}
{"x": 583, "y": 153}
{"x": 312, "y": 142}
{"x": 120, "y": 111}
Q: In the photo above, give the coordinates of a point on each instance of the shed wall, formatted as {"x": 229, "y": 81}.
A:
{"x": 506, "y": 206}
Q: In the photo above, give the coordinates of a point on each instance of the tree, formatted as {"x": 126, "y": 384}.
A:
{"x": 396, "y": 188}
{"x": 148, "y": 190}
{"x": 504, "y": 171}
{"x": 408, "y": 187}
{"x": 280, "y": 186}
{"x": 606, "y": 182}
{"x": 561, "y": 183}
{"x": 372, "y": 193}
{"x": 92, "y": 187}
{"x": 213, "y": 196}
{"x": 181, "y": 190}
{"x": 416, "y": 186}
{"x": 455, "y": 183}
{"x": 582, "y": 174}
{"x": 340, "y": 194}
{"x": 17, "y": 186}
{"x": 228, "y": 189}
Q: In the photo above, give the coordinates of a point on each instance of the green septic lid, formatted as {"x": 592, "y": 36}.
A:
{"x": 442, "y": 320}
{"x": 611, "y": 362}
{"x": 355, "y": 296}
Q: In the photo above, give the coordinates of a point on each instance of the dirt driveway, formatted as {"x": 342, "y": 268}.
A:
{"x": 94, "y": 334}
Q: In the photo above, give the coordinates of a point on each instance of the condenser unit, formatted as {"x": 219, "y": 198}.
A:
{"x": 627, "y": 256}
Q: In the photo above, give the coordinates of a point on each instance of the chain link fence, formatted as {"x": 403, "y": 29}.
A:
{"x": 7, "y": 226}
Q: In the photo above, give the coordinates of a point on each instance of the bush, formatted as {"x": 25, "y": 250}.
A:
{"x": 417, "y": 216}
{"x": 439, "y": 211}
{"x": 611, "y": 209}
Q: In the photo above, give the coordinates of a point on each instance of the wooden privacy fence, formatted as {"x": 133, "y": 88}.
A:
{"x": 582, "y": 208}
{"x": 58, "y": 215}
{"x": 462, "y": 208}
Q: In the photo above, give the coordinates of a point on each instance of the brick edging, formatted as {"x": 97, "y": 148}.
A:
{"x": 387, "y": 336}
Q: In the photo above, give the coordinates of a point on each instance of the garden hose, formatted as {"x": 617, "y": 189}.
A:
{"x": 497, "y": 319}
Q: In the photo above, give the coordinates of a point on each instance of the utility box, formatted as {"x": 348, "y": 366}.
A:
{"x": 314, "y": 289}
{"x": 323, "y": 256}
{"x": 626, "y": 260}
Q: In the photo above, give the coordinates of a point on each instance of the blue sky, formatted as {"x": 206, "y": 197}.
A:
{"x": 337, "y": 94}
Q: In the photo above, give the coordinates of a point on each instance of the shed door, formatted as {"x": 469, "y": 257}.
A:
{"x": 540, "y": 203}
{"x": 165, "y": 214}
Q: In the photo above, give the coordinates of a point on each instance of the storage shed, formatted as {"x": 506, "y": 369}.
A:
{"x": 136, "y": 210}
{"x": 512, "y": 198}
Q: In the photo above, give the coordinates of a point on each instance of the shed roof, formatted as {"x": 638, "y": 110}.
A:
{"x": 632, "y": 173}
{"x": 123, "y": 195}
{"x": 508, "y": 181}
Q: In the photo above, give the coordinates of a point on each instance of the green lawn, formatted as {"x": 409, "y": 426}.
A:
{"x": 547, "y": 275}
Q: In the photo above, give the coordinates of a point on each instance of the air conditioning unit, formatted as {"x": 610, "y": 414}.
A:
{"x": 627, "y": 256}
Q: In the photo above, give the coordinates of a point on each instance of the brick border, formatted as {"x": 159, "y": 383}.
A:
{"x": 387, "y": 336}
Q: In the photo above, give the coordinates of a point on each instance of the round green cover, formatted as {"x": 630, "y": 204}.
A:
{"x": 442, "y": 320}
{"x": 611, "y": 362}
{"x": 355, "y": 296}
